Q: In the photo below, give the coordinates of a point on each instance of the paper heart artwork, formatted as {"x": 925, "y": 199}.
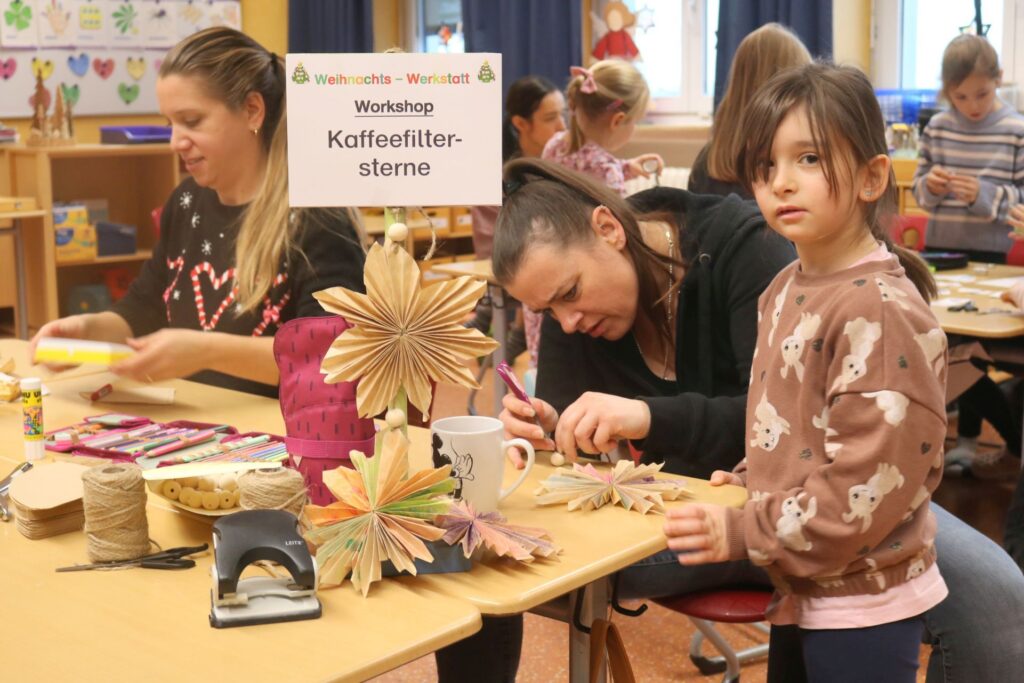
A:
{"x": 156, "y": 64}
{"x": 46, "y": 99}
{"x": 104, "y": 67}
{"x": 71, "y": 93}
{"x": 79, "y": 65}
{"x": 7, "y": 67}
{"x": 42, "y": 67}
{"x": 136, "y": 67}
{"x": 128, "y": 93}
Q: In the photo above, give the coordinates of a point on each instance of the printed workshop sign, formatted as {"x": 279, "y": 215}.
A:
{"x": 394, "y": 129}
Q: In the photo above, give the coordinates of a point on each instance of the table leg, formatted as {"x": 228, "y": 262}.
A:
{"x": 19, "y": 269}
{"x": 595, "y": 597}
{"x": 497, "y": 295}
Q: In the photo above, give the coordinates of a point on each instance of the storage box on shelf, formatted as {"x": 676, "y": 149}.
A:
{"x": 134, "y": 179}
{"x": 904, "y": 170}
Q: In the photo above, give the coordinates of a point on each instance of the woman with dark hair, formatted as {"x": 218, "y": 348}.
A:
{"x": 650, "y": 337}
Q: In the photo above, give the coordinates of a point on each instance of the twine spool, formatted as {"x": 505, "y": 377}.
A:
{"x": 280, "y": 488}
{"x": 114, "y": 501}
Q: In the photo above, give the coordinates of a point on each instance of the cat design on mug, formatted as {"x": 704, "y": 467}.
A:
{"x": 462, "y": 468}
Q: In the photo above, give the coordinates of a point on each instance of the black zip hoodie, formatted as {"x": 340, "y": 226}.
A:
{"x": 697, "y": 421}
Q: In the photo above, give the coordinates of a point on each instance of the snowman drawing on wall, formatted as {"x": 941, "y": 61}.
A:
{"x": 462, "y": 468}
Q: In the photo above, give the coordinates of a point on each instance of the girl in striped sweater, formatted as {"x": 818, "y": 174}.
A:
{"x": 971, "y": 168}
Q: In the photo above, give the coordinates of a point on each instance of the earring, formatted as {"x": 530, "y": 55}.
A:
{"x": 867, "y": 193}
{"x": 255, "y": 131}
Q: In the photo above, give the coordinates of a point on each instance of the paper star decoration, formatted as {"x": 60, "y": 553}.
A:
{"x": 587, "y": 488}
{"x": 472, "y": 529}
{"x": 404, "y": 336}
{"x": 381, "y": 513}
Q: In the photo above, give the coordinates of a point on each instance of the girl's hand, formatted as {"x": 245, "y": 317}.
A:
{"x": 965, "y": 188}
{"x": 1016, "y": 220}
{"x": 1015, "y": 295}
{"x": 166, "y": 354}
{"x": 937, "y": 180}
{"x": 596, "y": 422}
{"x": 518, "y": 420}
{"x": 72, "y": 327}
{"x": 721, "y": 478}
{"x": 642, "y": 165}
{"x": 697, "y": 532}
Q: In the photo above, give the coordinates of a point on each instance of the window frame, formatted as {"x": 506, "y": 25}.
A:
{"x": 887, "y": 48}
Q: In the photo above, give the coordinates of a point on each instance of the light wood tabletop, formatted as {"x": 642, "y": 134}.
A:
{"x": 436, "y": 609}
{"x": 147, "y": 624}
{"x": 982, "y": 284}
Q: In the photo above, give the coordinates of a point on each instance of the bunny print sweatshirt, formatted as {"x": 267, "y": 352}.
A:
{"x": 845, "y": 425}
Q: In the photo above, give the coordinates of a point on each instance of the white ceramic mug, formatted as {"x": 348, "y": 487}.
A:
{"x": 474, "y": 447}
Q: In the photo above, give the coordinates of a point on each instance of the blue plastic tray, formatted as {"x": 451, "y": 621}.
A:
{"x": 134, "y": 135}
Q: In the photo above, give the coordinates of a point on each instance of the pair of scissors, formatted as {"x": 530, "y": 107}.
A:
{"x": 174, "y": 558}
{"x": 966, "y": 307}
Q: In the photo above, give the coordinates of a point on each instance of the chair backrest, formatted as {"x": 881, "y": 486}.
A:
{"x": 909, "y": 231}
{"x": 1015, "y": 257}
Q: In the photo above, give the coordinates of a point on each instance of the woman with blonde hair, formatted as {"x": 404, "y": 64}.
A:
{"x": 233, "y": 262}
{"x": 761, "y": 55}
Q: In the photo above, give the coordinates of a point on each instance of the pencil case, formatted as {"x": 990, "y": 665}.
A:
{"x": 226, "y": 456}
{"x": 115, "y": 455}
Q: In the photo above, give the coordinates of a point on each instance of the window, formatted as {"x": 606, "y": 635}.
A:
{"x": 910, "y": 35}
{"x": 439, "y": 26}
{"x": 676, "y": 41}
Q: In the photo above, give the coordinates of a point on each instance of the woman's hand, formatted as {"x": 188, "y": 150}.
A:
{"x": 518, "y": 418}
{"x": 965, "y": 188}
{"x": 169, "y": 353}
{"x": 937, "y": 181}
{"x": 697, "y": 532}
{"x": 596, "y": 422}
{"x": 644, "y": 165}
{"x": 72, "y": 327}
{"x": 1014, "y": 295}
{"x": 721, "y": 478}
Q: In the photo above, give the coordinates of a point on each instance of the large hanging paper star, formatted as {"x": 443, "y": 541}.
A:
{"x": 404, "y": 336}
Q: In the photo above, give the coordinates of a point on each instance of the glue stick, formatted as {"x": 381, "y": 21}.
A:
{"x": 32, "y": 412}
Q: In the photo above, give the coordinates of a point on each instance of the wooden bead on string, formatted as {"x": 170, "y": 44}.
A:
{"x": 280, "y": 488}
{"x": 114, "y": 501}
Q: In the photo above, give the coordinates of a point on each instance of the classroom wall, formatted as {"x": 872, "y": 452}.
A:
{"x": 851, "y": 33}
{"x": 264, "y": 20}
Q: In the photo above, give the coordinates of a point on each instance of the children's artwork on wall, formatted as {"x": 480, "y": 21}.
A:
{"x": 18, "y": 28}
{"x": 612, "y": 32}
{"x": 103, "y": 55}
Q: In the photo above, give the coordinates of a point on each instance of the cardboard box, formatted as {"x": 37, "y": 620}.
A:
{"x": 75, "y": 237}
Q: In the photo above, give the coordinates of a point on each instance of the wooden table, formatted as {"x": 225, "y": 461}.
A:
{"x": 481, "y": 270}
{"x": 984, "y": 296}
{"x": 437, "y": 609}
{"x": 145, "y": 624}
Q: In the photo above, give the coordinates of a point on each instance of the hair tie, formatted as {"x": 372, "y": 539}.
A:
{"x": 588, "y": 86}
{"x": 613, "y": 105}
{"x": 510, "y": 187}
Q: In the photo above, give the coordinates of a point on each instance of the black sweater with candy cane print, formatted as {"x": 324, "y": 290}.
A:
{"x": 846, "y": 420}
{"x": 189, "y": 281}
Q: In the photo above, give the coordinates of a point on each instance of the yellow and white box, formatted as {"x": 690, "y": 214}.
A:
{"x": 79, "y": 351}
{"x": 75, "y": 236}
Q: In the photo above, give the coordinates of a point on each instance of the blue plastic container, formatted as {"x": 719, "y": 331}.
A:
{"x": 902, "y": 106}
{"x": 115, "y": 239}
{"x": 134, "y": 135}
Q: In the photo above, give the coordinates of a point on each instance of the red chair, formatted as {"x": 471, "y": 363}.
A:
{"x": 909, "y": 231}
{"x": 727, "y": 605}
{"x": 1015, "y": 257}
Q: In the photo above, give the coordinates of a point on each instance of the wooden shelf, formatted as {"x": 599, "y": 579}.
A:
{"x": 141, "y": 255}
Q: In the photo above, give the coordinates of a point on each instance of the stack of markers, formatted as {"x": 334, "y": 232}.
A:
{"x": 258, "y": 448}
